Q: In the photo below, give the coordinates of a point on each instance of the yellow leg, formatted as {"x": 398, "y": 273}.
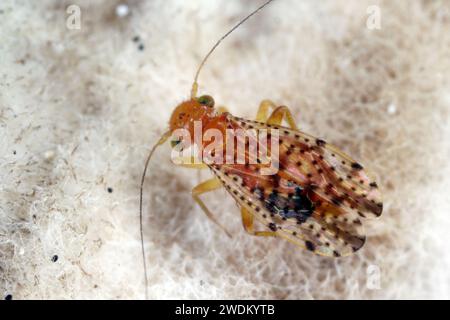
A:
{"x": 222, "y": 109}
{"x": 207, "y": 186}
{"x": 281, "y": 113}
{"x": 277, "y": 116}
{"x": 247, "y": 221}
{"x": 187, "y": 162}
{"x": 263, "y": 110}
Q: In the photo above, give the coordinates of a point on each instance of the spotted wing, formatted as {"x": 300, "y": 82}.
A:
{"x": 315, "y": 200}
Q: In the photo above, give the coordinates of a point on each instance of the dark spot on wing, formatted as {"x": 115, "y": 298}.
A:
{"x": 320, "y": 142}
{"x": 357, "y": 166}
{"x": 309, "y": 245}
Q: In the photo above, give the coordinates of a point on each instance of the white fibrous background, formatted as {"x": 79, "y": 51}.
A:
{"x": 80, "y": 109}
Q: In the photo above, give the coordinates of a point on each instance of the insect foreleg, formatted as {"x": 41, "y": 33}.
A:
{"x": 247, "y": 221}
{"x": 207, "y": 186}
{"x": 281, "y": 113}
{"x": 187, "y": 162}
{"x": 263, "y": 110}
{"x": 222, "y": 109}
{"x": 277, "y": 116}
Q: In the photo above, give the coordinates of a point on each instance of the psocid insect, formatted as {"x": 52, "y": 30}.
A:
{"x": 315, "y": 199}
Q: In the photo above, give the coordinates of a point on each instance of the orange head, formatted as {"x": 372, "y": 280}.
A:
{"x": 197, "y": 109}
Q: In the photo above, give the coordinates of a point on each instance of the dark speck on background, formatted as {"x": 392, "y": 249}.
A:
{"x": 110, "y": 190}
{"x": 55, "y": 258}
{"x": 8, "y": 297}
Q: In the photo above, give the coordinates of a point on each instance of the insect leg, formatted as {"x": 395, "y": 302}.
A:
{"x": 207, "y": 186}
{"x": 247, "y": 221}
{"x": 263, "y": 110}
{"x": 222, "y": 109}
{"x": 281, "y": 113}
{"x": 187, "y": 162}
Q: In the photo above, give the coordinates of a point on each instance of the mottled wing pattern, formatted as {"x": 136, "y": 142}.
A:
{"x": 315, "y": 200}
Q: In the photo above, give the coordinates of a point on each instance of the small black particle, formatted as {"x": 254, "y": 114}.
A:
{"x": 294, "y": 233}
{"x": 272, "y": 226}
{"x": 55, "y": 258}
{"x": 141, "y": 47}
{"x": 373, "y": 185}
{"x": 309, "y": 245}
{"x": 110, "y": 190}
{"x": 8, "y": 297}
{"x": 336, "y": 254}
{"x": 14, "y": 152}
{"x": 136, "y": 38}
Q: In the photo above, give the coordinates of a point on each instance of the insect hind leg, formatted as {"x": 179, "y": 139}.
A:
{"x": 247, "y": 221}
{"x": 204, "y": 187}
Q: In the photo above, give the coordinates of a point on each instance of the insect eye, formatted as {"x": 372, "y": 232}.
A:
{"x": 206, "y": 101}
{"x": 174, "y": 143}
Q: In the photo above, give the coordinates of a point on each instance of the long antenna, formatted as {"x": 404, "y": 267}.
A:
{"x": 147, "y": 161}
{"x": 195, "y": 84}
